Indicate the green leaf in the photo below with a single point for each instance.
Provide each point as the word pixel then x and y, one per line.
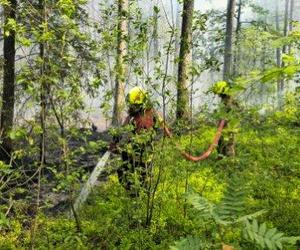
pixel 201 204
pixel 156 9
pixel 288 59
pixel 262 229
pixel 251 216
pixel 271 232
pixel 190 243
pixel 255 226
pixel 264 237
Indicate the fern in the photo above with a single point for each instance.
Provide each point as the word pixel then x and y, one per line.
pixel 232 204
pixel 190 243
pixel 228 210
pixel 202 205
pixel 266 238
pixel 250 216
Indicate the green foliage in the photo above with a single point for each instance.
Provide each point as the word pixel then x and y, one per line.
pixel 222 209
pixel 233 202
pixel 190 243
pixel 266 238
pixel 72 69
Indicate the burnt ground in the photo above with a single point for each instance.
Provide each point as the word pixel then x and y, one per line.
pixel 55 200
pixel 60 200
pixel 52 199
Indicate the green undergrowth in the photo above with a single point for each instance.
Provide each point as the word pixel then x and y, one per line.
pixel 267 167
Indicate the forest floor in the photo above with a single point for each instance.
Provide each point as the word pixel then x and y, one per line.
pixel 267 165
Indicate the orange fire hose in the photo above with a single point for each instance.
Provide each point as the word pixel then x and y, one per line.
pixel 207 153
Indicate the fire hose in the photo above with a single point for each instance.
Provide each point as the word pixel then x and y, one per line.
pixel 208 152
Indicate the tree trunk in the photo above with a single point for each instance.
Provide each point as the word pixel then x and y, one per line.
pixel 292 5
pixel 278 54
pixel 8 95
pixel 177 38
pixel 284 50
pixel 43 87
pixel 286 24
pixel 155 32
pixel 185 58
pixel 238 47
pixel 227 72
pixel 119 101
pixel 226 145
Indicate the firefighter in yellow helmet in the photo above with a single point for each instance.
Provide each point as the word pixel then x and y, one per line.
pixel 226 145
pixel 136 142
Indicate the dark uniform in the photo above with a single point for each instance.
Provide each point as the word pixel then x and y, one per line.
pixel 137 148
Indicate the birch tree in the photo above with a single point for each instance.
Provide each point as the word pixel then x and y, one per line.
pixel 185 58
pixel 120 62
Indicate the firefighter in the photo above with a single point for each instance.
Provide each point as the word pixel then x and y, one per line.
pixel 226 145
pixel 136 142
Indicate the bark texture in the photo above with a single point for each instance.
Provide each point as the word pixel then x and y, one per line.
pixel 8 95
pixel 226 144
pixel 238 47
pixel 119 100
pixel 185 57
pixel 228 40
pixel 278 51
pixel 281 83
pixel 292 6
pixel 43 94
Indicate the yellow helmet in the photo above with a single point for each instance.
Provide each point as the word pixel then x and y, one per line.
pixel 137 95
pixel 221 87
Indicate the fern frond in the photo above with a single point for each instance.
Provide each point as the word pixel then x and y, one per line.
pixel 265 238
pixel 251 216
pixel 190 243
pixel 232 204
pixel 201 204
pixel 291 240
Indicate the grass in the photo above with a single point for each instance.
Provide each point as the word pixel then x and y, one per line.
pixel 268 161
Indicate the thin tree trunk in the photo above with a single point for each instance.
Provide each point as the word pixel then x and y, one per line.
pixel 278 53
pixel 284 50
pixel 185 58
pixel 263 65
pixel 120 64
pixel 286 24
pixel 42 8
pixel 227 72
pixel 8 95
pixel 43 87
pixel 177 39
pixel 227 146
pixel 155 33
pixel 238 47
pixel 292 5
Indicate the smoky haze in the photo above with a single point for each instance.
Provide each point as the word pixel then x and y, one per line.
pixel 170 12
